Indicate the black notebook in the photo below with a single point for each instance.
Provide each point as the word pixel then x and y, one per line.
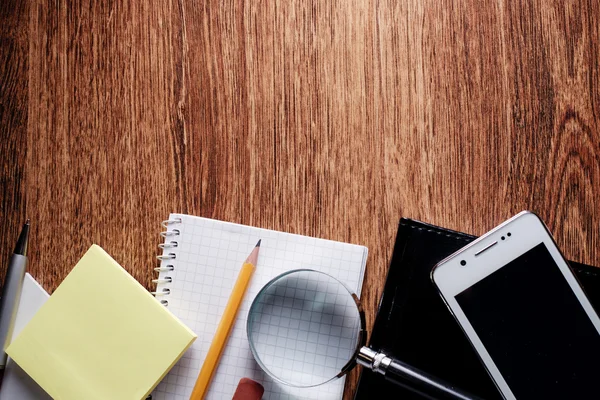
pixel 414 325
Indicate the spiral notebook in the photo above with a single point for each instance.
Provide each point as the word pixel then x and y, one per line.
pixel 199 265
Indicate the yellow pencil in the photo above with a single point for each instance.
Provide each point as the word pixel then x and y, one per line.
pixel 227 321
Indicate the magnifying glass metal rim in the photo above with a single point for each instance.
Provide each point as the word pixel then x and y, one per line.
pixel 362 334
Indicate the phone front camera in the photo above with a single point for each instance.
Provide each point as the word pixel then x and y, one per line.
pixel 463 262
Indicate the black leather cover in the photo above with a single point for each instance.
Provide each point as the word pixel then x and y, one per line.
pixel 414 325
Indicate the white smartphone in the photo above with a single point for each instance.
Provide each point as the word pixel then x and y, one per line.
pixel 522 308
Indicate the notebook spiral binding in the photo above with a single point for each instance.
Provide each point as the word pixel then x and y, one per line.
pixel 169 235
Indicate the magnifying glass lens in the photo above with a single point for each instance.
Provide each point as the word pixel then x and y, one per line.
pixel 303 328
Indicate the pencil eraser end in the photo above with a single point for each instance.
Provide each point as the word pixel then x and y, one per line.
pixel 248 390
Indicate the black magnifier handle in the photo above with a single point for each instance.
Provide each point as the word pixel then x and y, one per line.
pixel 410 377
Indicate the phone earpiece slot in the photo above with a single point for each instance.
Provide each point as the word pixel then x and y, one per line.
pixel 486 247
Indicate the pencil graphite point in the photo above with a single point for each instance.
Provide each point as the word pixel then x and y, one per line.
pixel 258 244
pixel 254 255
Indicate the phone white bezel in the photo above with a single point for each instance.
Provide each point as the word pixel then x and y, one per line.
pixel 451 278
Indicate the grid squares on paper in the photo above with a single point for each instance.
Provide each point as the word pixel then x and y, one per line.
pixel 208 259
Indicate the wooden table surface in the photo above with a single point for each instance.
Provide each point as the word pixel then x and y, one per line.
pixel 324 118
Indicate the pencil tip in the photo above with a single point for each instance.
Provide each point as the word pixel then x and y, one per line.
pixel 258 244
pixel 254 254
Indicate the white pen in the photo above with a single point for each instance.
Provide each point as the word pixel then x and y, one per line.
pixel 11 292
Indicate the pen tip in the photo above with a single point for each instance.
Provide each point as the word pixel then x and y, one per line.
pixel 21 247
pixel 27 222
pixel 258 244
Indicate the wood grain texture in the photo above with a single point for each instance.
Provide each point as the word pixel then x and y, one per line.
pixel 331 119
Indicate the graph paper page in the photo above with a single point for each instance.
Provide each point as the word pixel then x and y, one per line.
pixel 209 255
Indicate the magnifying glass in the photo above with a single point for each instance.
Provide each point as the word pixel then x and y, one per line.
pixel 306 328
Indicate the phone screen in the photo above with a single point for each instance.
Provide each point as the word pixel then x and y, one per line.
pixel 534 328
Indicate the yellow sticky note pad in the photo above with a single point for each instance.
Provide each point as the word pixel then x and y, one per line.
pixel 101 335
